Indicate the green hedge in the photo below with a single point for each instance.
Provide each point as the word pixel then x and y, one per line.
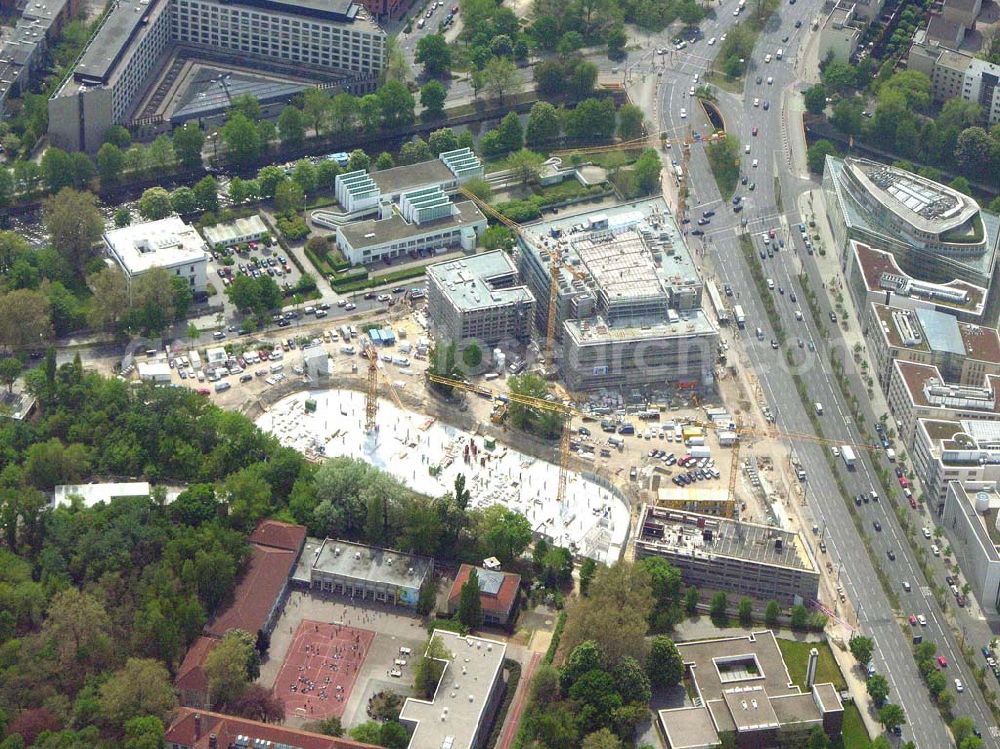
pixel 342 285
pixel 550 654
pixel 320 264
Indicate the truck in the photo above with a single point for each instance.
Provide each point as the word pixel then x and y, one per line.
pixel 890 454
pixel 847 453
pixel 741 319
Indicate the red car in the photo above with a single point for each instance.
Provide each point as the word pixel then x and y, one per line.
pixel 903 482
pixel 204 391
pixel 262 354
pixel 755 132
pixel 942 661
pixel 913 503
pixel 913 620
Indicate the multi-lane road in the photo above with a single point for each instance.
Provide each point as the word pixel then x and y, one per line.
pixel 722 254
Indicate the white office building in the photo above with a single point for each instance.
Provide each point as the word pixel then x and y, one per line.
pixel 168 243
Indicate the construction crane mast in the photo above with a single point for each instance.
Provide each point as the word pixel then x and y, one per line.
pixel 371 394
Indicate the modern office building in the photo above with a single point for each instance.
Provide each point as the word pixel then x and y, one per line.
pixel 628 306
pixel 479 298
pixel 168 243
pixel 954 73
pixel 499 594
pixel 462 711
pixel 970 520
pixel 744 695
pixel 23 53
pixel 364 572
pixel 965 353
pixel 741 558
pixel 920 391
pixel 136 36
pixel 841 32
pixel 964 450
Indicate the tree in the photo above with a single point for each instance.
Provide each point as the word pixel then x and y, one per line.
pixel 57 169
pixel 259 703
pixel 230 667
pixel 434 54
pixel 442 140
pixel 330 727
pixel 369 112
pixel 316 107
pixel 862 648
pixel 588 569
pixel 663 662
pixel 141 687
pixel 817 153
pixel 961 728
pixel 507 533
pixel 615 614
pixel 878 688
pixel 480 188
pixel 602 739
pixel 343 112
pixel 359 160
pixel 160 153
pixel 891 716
pixel 384 161
pixel 815 98
pixel 242 139
pixel 818 739
pixel 291 127
pixel 304 175
pixel 746 611
pixel 718 609
pixel 631 122
pixel 188 142
pixel 525 165
pixel 800 617
pixel 78 630
pixel 10 370
pixel 432 98
pixel 25 319
pixel 144 732
pixel 591 120
pixel 111 287
pixel 110 163
pixel 847 117
pixel 155 204
pixel 961 184
pixel 183 201
pixel 430 667
pixel 289 197
pixel 472 356
pixel 74 225
pixel 647 170
pixel 183 296
pixel 396 103
pixel 691 601
pixel 501 78
pixel 470 609
pixel 543 124
pixel 617 41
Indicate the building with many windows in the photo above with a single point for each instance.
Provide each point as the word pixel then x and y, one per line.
pixel 955 73
pixel 479 298
pixel 136 35
pixel 24 49
pixel 168 243
pixel 971 521
pixel 965 450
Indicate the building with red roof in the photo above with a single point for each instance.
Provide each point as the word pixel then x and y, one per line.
pixel 201 729
pixel 498 594
pixel 279 535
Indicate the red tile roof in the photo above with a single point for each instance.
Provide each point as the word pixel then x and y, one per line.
pixel 228 727
pixel 500 604
pixel 266 574
pixel 191 675
pixel 279 535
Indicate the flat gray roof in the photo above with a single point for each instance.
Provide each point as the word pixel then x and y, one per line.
pixel 689 728
pixel 452 719
pixel 107 46
pixel 374 232
pixel 402 178
pixel 941 330
pixel 598 331
pixel 465 281
pixel 370 564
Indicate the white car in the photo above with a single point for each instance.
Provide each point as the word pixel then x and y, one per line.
pixel 836 451
pixel 396 673
pixel 922 619
pixel 798 314
pixel 754 165
pixel 350 305
pixel 926 532
pixel 746 149
pixel 767 58
pixel 711 41
pixel 935 550
pixel 770 80
pixel 959 687
pixel 660 51
pixel 684 113
pixel 736 12
pixel 691 91
pixel 756 102
pixel 722 38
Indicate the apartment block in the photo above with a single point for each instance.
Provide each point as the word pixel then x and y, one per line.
pixel 964 450
pixel 841 32
pixel 953 72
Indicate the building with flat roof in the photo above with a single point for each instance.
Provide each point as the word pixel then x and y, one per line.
pixel 498 594
pixel 743 689
pixel 203 729
pixel 964 12
pixel 136 35
pixel 840 33
pixel 462 711
pixel 240 231
pixel 964 450
pixel 971 521
pixel 628 307
pixel 964 352
pixel 479 298
pixel 93 494
pixel 168 243
pixel 23 53
pixel 735 556
pixel 359 571
pixel 955 73
pixel 919 391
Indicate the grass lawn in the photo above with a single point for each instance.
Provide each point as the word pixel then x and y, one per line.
pixel 796 655
pixel 854 735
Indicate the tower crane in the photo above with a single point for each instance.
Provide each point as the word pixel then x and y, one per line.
pixel 371 394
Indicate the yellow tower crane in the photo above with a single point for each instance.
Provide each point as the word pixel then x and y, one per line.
pixel 371 394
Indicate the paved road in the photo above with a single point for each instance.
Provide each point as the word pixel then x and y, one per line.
pixel 721 251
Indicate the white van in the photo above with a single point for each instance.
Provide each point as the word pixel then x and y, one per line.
pixel 779 53
pixel 615 441
pixel 767 58
pixel 275 368
pixel 349 350
pixel 760 334
pixel 819 409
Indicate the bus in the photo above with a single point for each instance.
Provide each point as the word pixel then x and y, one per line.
pixel 740 317
pixel 715 298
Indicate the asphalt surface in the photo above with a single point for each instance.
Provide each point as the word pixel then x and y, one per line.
pixel 721 250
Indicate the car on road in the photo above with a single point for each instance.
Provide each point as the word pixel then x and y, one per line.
pixel 922 619
pixel 833 317
pixel 942 661
pixel 691 91
pixel 926 531
pixel 746 149
pixel 383 297
pixel 770 80
pixel 728 289
pixel 350 305
pixel 684 113
pixel 760 79
pixel 774 343
pixel 754 131
pixel 743 180
pixel 708 214
pixel 906 586
pixel 959 687
pixel 754 164
pixel 398 290
pixel 877 526
pixel 756 102
pixel 370 295
pixel 798 315
pixel 711 41
pixel 703 222
pixel 913 620
pixel 752 186
pixel 697 233
pixel 798 24
pixel 891 554
pixel 784 39
pixel 792 297
pixel 767 105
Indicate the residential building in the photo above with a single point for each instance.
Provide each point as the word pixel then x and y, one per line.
pixel 964 352
pixel 841 32
pixel 964 12
pixel 741 558
pixel 743 693
pixel 920 391
pixel 168 243
pixel 479 298
pixel 364 572
pixel 945 31
pixel 24 51
pixel 93 494
pixel 970 520
pixel 869 10
pixel 964 450
pixel 461 713
pixel 628 305
pixel 202 729
pixel 136 36
pixel 499 594
pixel 257 600
pixel 955 73
pixel 240 231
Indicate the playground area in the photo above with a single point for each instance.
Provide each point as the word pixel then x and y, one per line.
pixel 320 668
